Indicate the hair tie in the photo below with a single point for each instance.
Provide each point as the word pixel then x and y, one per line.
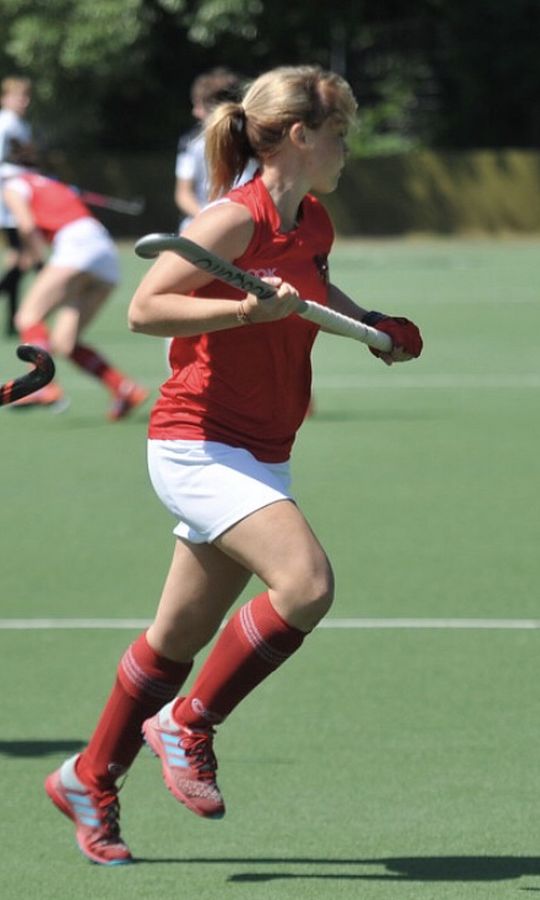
pixel 239 118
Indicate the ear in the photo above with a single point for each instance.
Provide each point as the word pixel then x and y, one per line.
pixel 297 134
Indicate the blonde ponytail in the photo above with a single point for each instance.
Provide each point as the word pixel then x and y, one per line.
pixel 227 147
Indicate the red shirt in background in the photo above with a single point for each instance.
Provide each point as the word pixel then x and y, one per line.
pixel 52 203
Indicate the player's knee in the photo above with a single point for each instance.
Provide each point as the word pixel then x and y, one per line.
pixel 22 322
pixel 319 595
pixel 62 345
pixel 307 597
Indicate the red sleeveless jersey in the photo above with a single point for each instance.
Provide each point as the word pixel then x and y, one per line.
pixel 250 386
pixel 53 204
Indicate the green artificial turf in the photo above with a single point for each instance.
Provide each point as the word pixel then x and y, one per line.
pixel 377 763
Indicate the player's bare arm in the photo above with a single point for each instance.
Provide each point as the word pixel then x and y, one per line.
pixel 342 303
pixel 162 304
pixel 406 339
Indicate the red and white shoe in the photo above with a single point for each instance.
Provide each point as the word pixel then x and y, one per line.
pixel 51 396
pixel 128 397
pixel 188 762
pixel 95 813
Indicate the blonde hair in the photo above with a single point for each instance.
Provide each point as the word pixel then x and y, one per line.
pixel 256 127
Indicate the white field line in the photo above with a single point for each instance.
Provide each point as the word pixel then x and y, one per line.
pixel 330 623
pixel 431 382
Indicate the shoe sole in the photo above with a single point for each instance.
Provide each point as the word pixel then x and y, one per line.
pixel 64 808
pixel 129 408
pixel 154 745
pixel 57 407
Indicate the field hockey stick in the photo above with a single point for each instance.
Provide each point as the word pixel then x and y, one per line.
pixel 151 245
pixel 38 377
pixel 129 207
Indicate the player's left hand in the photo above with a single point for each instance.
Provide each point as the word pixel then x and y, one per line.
pixel 406 338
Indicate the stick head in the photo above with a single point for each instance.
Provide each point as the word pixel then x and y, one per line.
pixel 38 377
pixel 151 245
pixel 40 358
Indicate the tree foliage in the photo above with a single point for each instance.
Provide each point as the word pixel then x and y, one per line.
pixel 116 73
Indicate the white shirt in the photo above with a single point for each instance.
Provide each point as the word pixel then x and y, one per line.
pixel 12 127
pixel 191 166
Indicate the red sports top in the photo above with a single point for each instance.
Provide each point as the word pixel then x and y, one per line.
pixel 250 386
pixel 53 204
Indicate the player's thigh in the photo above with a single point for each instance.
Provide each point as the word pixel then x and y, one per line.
pixel 48 291
pixel 89 299
pixel 277 543
pixel 201 586
pixel 85 297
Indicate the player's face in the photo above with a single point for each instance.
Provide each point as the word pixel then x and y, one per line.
pixel 328 157
pixel 199 111
pixel 17 100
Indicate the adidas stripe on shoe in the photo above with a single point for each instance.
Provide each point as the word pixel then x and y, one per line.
pixel 188 763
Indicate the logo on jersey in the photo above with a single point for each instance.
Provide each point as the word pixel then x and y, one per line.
pixel 264 273
pixel 321 261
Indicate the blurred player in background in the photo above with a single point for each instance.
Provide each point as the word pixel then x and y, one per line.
pixel 78 278
pixel 192 181
pixel 219 444
pixel 15 135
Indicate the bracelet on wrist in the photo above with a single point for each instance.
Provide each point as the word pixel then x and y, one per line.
pixel 242 315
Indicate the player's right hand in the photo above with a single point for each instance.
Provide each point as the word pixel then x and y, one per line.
pixel 282 304
pixel 406 338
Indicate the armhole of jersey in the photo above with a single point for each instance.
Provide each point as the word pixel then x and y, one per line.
pixel 221 201
pixel 213 203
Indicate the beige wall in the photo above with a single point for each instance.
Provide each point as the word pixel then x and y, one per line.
pixel 445 193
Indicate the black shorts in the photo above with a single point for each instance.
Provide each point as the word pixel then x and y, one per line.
pixel 12 238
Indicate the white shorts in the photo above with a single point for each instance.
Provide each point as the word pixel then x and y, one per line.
pixel 86 245
pixel 210 486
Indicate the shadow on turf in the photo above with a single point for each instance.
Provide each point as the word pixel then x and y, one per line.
pixel 39 748
pixel 417 868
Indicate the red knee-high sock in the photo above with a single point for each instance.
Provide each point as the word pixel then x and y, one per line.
pixel 94 364
pixel 145 682
pixel 254 642
pixel 37 334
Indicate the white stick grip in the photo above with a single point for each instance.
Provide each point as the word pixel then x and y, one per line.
pixel 344 325
pixel 151 245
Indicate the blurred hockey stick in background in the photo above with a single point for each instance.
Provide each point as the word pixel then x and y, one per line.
pixel 38 377
pixel 128 207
